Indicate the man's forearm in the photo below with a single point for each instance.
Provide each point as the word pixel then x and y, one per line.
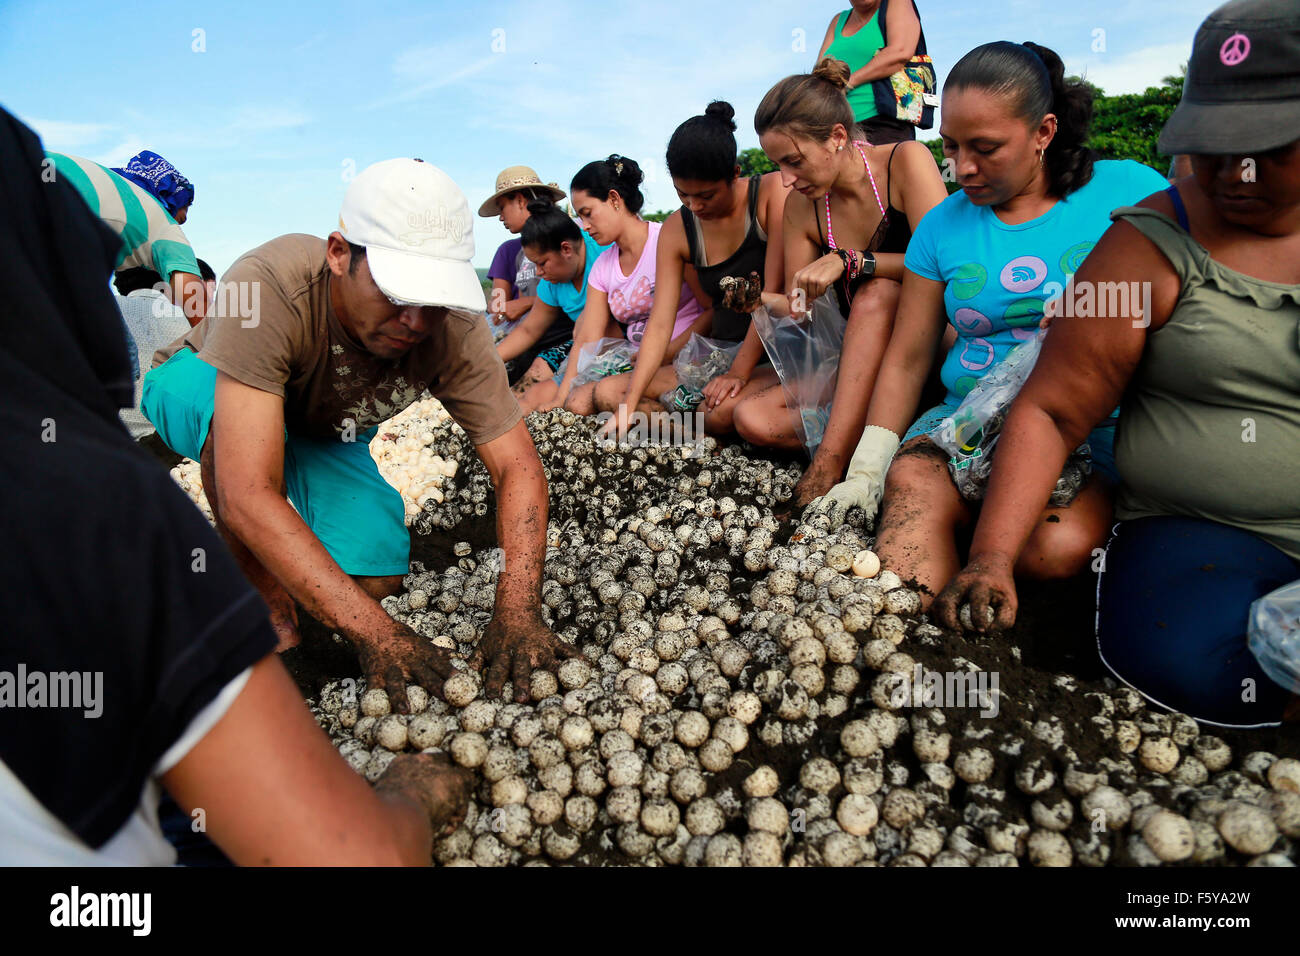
pixel 281 540
pixel 522 509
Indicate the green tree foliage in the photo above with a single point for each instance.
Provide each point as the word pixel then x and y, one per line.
pixel 754 161
pixel 1128 126
pixel 658 215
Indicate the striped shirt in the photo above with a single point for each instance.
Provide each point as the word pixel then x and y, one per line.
pixel 150 236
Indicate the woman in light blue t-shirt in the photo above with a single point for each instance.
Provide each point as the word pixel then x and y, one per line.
pixel 987 261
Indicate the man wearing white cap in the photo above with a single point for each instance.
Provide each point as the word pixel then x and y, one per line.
pixel 332 337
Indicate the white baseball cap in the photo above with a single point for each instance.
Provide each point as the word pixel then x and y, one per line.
pixel 415 225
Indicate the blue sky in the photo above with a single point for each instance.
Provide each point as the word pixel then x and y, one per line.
pixel 283 99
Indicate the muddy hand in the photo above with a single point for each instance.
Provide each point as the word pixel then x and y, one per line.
pixel 514 651
pixel 989 587
pixel 435 783
pixel 403 657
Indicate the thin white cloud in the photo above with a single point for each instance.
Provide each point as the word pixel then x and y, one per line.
pixel 123 151
pixel 1132 72
pixel 60 135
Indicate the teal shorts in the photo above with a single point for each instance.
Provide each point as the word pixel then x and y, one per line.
pixel 335 485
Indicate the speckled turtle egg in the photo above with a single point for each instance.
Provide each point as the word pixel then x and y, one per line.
pixel 857 618
pixel 1128 736
pixel 1046 848
pixel 490 851
pixel 931 746
pixel 659 817
pixel 375 703
pixel 704 817
pixel 379 760
pixel 858 739
pixel 819 775
pixel 546 751
pixel 390 732
pixel 902 807
pixel 418 698
pixel 974 765
pixel 732 731
pixel 1284 774
pixel 580 813
pixel 574 673
pixel 672 679
pixel 469 750
pixel 623 804
pixel 761 849
pixel 560 846
pixel 479 716
pixel 1158 754
pixel 1247 829
pixel 542 684
pixel 576 733
pixel 902 602
pixel 769 815
pixel 687 784
pixel 763 782
pixel 546 807
pixel 499 763
pixel 857 814
pixel 525 729
pixel 558 778
pixel 745 706
pixel 1212 751
pixel 1170 836
pixel 1052 811
pixel 692 729
pixel 460 688
pixel 724 849
pixel 889 627
pixel 509 790
pixel 624 769
pixel 1108 806
pixel 364 730
pixel 614 741
pixel 356 753
pixel 715 755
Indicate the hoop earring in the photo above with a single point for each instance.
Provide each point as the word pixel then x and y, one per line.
pixel 1040 158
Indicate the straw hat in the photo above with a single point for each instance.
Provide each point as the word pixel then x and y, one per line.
pixel 512 180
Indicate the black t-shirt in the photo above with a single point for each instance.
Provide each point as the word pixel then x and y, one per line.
pixel 108 569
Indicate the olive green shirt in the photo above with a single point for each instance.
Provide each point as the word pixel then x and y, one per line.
pixel 1210 425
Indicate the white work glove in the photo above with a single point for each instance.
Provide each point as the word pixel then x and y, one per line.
pixel 864 484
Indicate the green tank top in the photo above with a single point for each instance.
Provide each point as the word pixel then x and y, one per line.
pixel 1210 424
pixel 857 50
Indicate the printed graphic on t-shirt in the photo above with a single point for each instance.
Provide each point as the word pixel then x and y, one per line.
pixel 367 396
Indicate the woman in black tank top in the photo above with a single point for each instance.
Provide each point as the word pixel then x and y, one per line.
pixel 723 229
pixel 846 231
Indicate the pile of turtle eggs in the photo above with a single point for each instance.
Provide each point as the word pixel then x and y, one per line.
pixel 736 702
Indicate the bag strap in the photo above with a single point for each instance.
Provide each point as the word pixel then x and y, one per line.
pixel 1179 209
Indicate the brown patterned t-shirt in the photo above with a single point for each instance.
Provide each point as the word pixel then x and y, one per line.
pixel 274 329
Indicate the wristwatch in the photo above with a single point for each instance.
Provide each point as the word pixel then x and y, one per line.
pixel 868 265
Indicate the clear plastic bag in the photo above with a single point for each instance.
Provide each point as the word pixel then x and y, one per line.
pixel 1273 635
pixel 970 434
pixel 806 355
pixel 599 359
pixel 699 362
pixel 500 326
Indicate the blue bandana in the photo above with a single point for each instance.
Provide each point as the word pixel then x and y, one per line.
pixel 160 178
